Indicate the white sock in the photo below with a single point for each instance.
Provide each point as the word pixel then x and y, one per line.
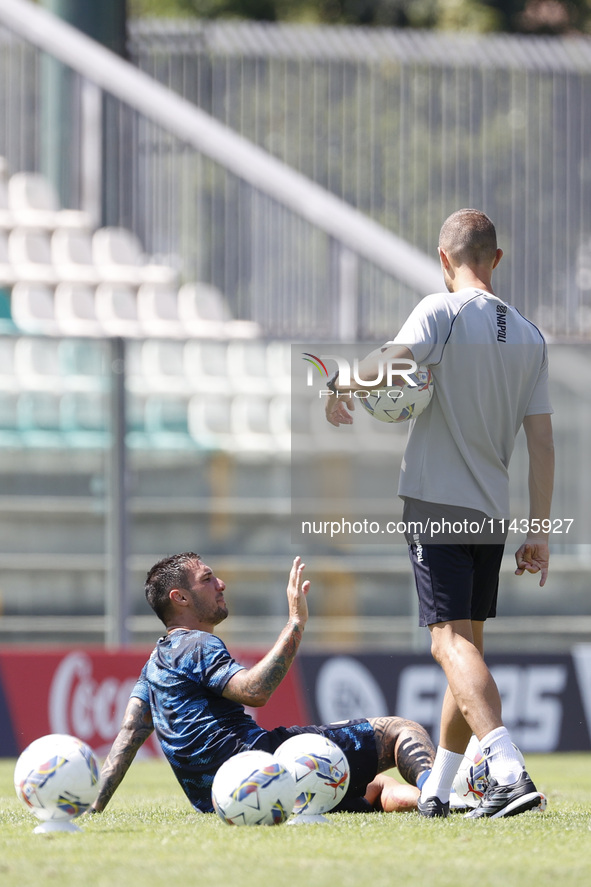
pixel 503 763
pixel 439 782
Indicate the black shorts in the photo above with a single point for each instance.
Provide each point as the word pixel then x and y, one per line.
pixel 355 738
pixel 456 581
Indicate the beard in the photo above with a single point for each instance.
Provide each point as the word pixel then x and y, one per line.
pixel 222 613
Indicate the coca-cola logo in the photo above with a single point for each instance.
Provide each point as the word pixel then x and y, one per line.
pixel 83 706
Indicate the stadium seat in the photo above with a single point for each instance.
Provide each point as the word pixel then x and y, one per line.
pixel 205 364
pixel 7 273
pixel 75 310
pixel 134 367
pixel 279 366
pixel 117 253
pixel 157 308
pixel 166 421
pixel 204 312
pixel 250 423
pixel 33 309
pixel 247 366
pixel 210 426
pixel 84 364
pixel 289 422
pixel 29 253
pixel 34 203
pixel 37 363
pixel 8 380
pixel 71 254
pixel 116 309
pixel 162 366
pixel 6 216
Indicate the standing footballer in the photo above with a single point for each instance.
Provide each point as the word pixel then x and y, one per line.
pixel 490 372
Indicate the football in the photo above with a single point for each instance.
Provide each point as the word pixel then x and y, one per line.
pixel 471 780
pixel 320 771
pixel 253 788
pixel 57 777
pixel 401 402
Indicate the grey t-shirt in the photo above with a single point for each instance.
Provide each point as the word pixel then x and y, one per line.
pixel 490 370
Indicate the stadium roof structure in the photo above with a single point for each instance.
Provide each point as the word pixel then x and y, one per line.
pixel 568 54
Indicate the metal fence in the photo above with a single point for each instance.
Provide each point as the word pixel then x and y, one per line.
pixel 408 126
pixel 405 126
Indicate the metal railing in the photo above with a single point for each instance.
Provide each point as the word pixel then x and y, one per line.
pixel 408 126
pixel 316 228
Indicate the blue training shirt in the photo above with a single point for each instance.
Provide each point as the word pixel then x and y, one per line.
pixel 197 728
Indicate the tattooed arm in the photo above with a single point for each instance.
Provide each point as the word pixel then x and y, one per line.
pixel 254 686
pixel 135 729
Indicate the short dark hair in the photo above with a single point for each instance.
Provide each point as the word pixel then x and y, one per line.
pixel 170 572
pixel 469 237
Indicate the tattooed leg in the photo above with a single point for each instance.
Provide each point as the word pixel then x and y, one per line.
pixel 403 744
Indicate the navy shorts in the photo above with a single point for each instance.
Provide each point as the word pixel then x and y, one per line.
pixel 456 581
pixel 355 738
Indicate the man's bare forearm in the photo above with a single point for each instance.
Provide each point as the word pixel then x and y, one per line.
pixel 255 686
pixel 136 728
pixel 541 465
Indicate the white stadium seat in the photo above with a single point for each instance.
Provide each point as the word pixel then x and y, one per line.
pixel 116 309
pixel 250 423
pixel 29 252
pixel 7 272
pixel 84 364
pixel 204 312
pixel 206 367
pixel 75 310
pixel 210 425
pixel 247 366
pixel 37 363
pixel 162 366
pixel 71 254
pixel 33 308
pixel 8 380
pixel 34 204
pixel 158 313
pixel 117 253
pixel 6 216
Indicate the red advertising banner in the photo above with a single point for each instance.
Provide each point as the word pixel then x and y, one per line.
pixel 84 692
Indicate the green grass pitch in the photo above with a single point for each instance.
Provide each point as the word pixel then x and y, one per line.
pixel 149 836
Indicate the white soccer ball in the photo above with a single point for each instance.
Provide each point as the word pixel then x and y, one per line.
pixel 320 771
pixel 253 788
pixel 471 780
pixel 57 777
pixel 401 402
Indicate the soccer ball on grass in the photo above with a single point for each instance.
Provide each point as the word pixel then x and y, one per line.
pixel 253 788
pixel 57 778
pixel 320 771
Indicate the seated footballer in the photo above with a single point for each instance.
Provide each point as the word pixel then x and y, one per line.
pixel 193 694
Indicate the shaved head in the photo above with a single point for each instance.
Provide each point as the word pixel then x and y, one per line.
pixel 468 237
